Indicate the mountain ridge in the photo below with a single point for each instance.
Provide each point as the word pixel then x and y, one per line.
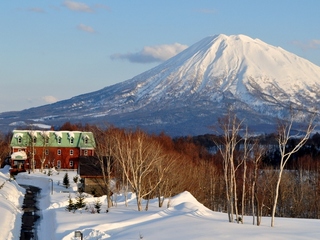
pixel 254 78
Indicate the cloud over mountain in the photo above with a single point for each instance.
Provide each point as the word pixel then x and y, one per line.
pixel 311 44
pixel 148 54
pixel 50 99
pixel 86 28
pixel 77 6
pixel 189 92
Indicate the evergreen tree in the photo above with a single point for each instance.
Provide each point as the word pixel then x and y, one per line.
pixel 80 203
pixel 97 205
pixel 66 181
pixel 71 206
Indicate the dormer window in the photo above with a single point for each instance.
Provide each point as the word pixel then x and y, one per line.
pixel 58 137
pixel 34 139
pixel 46 140
pixel 71 140
pixel 19 139
pixel 86 140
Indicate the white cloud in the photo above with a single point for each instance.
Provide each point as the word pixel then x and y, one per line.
pixel 148 54
pixel 49 99
pixel 86 28
pixel 312 44
pixel 77 6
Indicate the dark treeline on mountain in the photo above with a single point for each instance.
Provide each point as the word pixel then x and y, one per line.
pixel 272 156
pixel 159 166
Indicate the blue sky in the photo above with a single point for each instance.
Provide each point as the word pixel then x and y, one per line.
pixel 55 50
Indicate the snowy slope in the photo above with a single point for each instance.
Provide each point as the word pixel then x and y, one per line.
pixel 257 80
pixel 185 218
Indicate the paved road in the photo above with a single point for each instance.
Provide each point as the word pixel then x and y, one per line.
pixel 30 216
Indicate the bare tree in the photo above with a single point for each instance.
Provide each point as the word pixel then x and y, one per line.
pixel 44 142
pixel 230 126
pixel 105 145
pixel 138 155
pixel 31 142
pixel 4 147
pixel 257 152
pixel 284 136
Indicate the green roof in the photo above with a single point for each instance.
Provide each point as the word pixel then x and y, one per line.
pixel 24 138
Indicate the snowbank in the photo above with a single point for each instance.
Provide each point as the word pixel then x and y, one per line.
pixel 186 218
pixel 11 199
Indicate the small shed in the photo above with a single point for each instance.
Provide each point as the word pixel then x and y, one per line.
pixel 91 174
pixel 18 161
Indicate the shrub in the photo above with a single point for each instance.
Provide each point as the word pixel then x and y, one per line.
pixel 66 181
pixel 97 205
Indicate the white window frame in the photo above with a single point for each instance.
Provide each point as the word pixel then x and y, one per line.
pixel 59 152
pixel 71 152
pixel 70 163
pixel 58 164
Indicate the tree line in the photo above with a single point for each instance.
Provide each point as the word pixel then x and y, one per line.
pixel 230 171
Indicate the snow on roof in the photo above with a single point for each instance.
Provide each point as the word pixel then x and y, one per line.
pixel 17 135
pixel 71 134
pixel 46 133
pixel 85 136
pixel 21 155
pixel 33 133
pixel 58 134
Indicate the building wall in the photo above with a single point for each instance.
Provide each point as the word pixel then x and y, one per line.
pixel 60 149
pixel 94 186
pixel 65 159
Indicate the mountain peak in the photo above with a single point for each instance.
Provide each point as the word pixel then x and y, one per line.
pixel 185 94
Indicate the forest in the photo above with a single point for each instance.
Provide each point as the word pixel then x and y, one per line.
pixel 234 172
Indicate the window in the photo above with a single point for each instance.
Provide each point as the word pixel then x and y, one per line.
pixel 59 140
pixel 19 139
pixel 34 139
pixel 71 140
pixel 58 164
pixel 71 163
pixel 86 140
pixel 71 151
pixel 47 151
pixel 59 151
pixel 85 152
pixel 46 140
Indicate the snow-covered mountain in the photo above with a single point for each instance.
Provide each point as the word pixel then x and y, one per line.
pixel 187 93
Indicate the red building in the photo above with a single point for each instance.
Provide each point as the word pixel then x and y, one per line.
pixel 48 149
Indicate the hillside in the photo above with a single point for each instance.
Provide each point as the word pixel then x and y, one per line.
pixel 187 93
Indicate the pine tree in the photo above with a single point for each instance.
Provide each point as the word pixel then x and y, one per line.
pixel 97 205
pixel 80 203
pixel 71 206
pixel 66 181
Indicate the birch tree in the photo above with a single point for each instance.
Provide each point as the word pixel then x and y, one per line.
pixel 230 126
pixel 105 154
pixel 284 136
pixel 138 155
pixel 258 152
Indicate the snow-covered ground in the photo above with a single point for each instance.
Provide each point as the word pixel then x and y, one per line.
pixel 186 218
